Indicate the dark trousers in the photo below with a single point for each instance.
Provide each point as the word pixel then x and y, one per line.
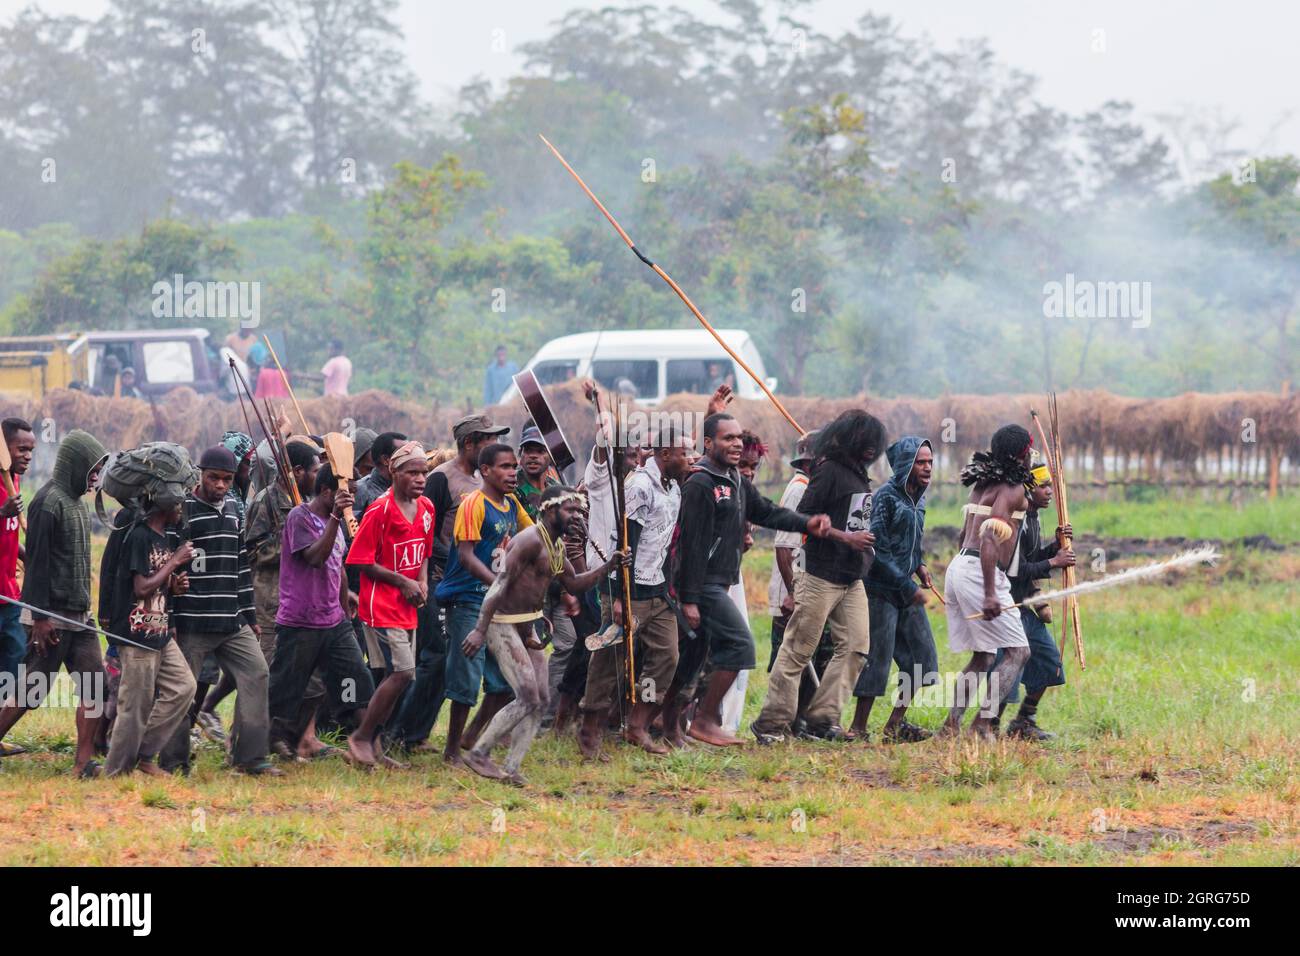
pixel 902 636
pixel 420 705
pixel 299 651
pixel 13 640
pixel 239 654
pixel 1045 668
pixel 574 680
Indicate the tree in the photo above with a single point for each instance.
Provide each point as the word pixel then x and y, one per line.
pixel 1261 217
pixel 208 68
pixel 354 95
pixel 75 145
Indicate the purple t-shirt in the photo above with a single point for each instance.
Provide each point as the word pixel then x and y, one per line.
pixel 309 597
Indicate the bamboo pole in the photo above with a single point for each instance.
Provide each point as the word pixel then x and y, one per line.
pixel 1069 577
pixel 306 429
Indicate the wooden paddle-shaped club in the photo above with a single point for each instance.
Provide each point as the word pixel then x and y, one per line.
pixel 7 463
pixel 341 454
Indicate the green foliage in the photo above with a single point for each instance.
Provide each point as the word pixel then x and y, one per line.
pixel 880 213
pixel 108 284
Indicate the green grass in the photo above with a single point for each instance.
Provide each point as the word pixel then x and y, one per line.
pixel 1177 746
pixel 1144 513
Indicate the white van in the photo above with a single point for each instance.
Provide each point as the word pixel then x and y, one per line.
pixel 654 364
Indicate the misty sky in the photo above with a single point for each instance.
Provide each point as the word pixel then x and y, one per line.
pixel 1161 54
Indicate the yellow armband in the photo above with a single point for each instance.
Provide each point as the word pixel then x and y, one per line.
pixel 997 529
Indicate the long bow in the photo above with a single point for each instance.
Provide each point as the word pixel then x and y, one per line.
pixel 675 287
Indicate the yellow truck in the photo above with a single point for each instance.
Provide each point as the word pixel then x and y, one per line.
pixel 162 359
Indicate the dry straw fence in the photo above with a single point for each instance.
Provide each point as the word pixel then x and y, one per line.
pixel 1236 439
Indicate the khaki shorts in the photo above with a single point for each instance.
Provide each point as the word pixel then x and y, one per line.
pixel 392 645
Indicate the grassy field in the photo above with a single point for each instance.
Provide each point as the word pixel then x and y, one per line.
pixel 1177 746
pixel 1145 513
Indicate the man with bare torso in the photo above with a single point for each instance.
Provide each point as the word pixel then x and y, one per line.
pixel 977 583
pixel 513 603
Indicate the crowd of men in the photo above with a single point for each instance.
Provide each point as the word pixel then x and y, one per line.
pixel 475 578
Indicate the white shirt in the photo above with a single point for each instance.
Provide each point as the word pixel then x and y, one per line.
pixel 655 509
pixel 600 518
pixel 337 372
pixel 790 498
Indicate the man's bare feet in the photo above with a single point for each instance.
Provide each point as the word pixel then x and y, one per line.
pixel 482 765
pixel 361 752
pixel 589 744
pixel 676 739
pixel 151 768
pixel 712 734
pixel 948 731
pixel 640 738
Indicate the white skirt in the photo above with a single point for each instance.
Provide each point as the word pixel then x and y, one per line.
pixel 963 590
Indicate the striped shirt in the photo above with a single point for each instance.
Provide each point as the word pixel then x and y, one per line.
pixel 221 588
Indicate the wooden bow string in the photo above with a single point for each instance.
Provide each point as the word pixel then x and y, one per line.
pixel 1069 578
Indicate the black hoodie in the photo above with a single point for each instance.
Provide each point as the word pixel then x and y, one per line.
pixel 57 569
pixel 715 506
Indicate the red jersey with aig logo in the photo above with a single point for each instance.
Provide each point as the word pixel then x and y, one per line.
pixel 387 539
pixel 9 548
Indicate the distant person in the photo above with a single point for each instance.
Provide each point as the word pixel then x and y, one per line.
pixel 499 377
pixel 719 378
pixel 337 371
pixel 109 371
pixel 270 383
pixel 241 342
pixel 127 382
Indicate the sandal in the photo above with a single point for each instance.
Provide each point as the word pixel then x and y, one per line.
pixel 90 771
pixel 906 733
pixel 11 750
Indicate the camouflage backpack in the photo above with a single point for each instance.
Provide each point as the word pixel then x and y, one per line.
pixel 159 470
